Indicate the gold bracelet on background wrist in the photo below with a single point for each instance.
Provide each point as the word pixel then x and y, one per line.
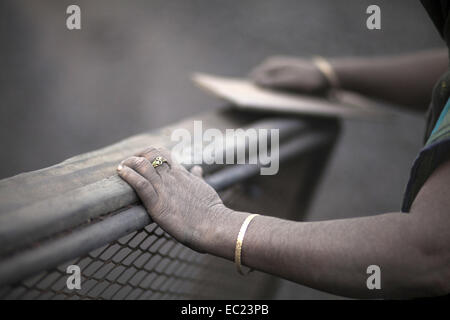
pixel 327 70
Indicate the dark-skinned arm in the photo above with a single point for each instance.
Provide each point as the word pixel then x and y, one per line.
pixel 412 250
pixel 406 80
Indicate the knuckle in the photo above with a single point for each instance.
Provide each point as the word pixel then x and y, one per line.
pixel 140 162
pixel 165 153
pixel 142 184
pixel 148 152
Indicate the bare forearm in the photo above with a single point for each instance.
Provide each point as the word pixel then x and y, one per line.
pixel 334 255
pixel 411 249
pixel 405 79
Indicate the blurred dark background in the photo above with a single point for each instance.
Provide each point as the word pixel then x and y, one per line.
pixel 127 71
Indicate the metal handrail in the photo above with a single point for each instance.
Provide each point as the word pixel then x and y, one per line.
pixel 297 137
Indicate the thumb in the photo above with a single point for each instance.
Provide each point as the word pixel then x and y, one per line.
pixel 197 171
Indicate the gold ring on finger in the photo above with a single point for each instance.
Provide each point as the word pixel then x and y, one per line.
pixel 158 161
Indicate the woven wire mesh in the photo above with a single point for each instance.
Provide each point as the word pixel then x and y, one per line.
pixel 146 264
pixel 150 264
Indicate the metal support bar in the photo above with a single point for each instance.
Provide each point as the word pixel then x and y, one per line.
pixel 44 218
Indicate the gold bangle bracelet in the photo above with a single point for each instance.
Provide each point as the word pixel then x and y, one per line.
pixel 327 70
pixel 239 242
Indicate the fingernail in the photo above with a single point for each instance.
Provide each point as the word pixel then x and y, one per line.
pixel 120 167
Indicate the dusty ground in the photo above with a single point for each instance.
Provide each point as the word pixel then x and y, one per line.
pixel 64 93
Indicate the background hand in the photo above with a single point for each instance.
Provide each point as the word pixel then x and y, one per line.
pixel 288 73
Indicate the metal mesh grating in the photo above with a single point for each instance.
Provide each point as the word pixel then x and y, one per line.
pixel 150 264
pixel 146 264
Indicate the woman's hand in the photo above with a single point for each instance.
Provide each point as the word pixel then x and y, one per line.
pixel 294 74
pixel 180 202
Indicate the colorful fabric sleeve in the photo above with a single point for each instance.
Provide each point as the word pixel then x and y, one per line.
pixel 435 152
